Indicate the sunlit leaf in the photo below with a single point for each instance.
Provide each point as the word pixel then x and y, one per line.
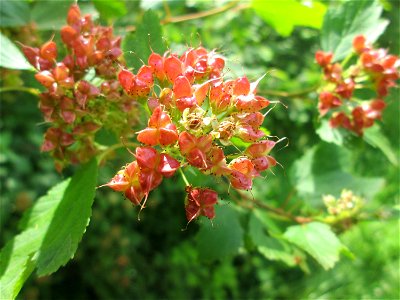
pixel 53 228
pixel 318 240
pixel 284 15
pixel 11 57
pixel 110 9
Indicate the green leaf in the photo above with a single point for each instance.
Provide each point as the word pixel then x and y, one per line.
pixel 268 246
pixel 323 169
pixel 110 9
pixel 53 228
pixel 284 15
pixel 343 22
pixel 16 262
pixel 318 240
pixel 375 137
pixel 50 14
pixel 148 37
pixel 14 13
pixel 221 238
pixel 332 135
pixel 68 224
pixel 239 142
pixel 11 57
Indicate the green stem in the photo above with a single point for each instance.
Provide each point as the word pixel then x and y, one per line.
pixel 32 91
pixel 112 148
pixel 347 59
pixel 290 94
pixel 184 177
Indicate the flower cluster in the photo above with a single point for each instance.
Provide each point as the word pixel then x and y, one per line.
pixel 346 204
pixel 75 107
pixel 374 69
pixel 194 116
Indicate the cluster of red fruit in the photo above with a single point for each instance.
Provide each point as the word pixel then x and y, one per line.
pixel 193 115
pixel 374 68
pixel 75 107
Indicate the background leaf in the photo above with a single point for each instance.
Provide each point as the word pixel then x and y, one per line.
pixel 148 36
pixel 342 23
pixel 284 15
pixel 110 9
pixel 49 14
pixel 332 135
pixel 52 230
pixel 221 238
pixel 14 13
pixel 271 248
pixel 11 57
pixel 375 137
pixel 318 240
pixel 324 169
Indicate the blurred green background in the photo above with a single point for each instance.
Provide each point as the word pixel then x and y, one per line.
pixel 120 257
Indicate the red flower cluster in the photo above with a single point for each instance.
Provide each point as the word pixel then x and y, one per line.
pixel 75 107
pixel 374 66
pixel 193 118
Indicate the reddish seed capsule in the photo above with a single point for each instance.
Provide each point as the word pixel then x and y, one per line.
pixel 68 35
pixel 49 51
pixel 45 78
pixel 74 15
pixel 200 202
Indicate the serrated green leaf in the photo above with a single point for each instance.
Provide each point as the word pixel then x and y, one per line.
pixel 14 13
pixel 375 137
pixel 110 9
pixel 148 37
pixel 11 57
pixel 343 22
pixel 268 246
pixel 318 240
pixel 284 15
pixel 53 228
pixel 69 221
pixel 16 262
pixel 221 238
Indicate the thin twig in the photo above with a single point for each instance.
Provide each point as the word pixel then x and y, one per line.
pixel 289 94
pixel 198 15
pixel 277 211
pixel 31 91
